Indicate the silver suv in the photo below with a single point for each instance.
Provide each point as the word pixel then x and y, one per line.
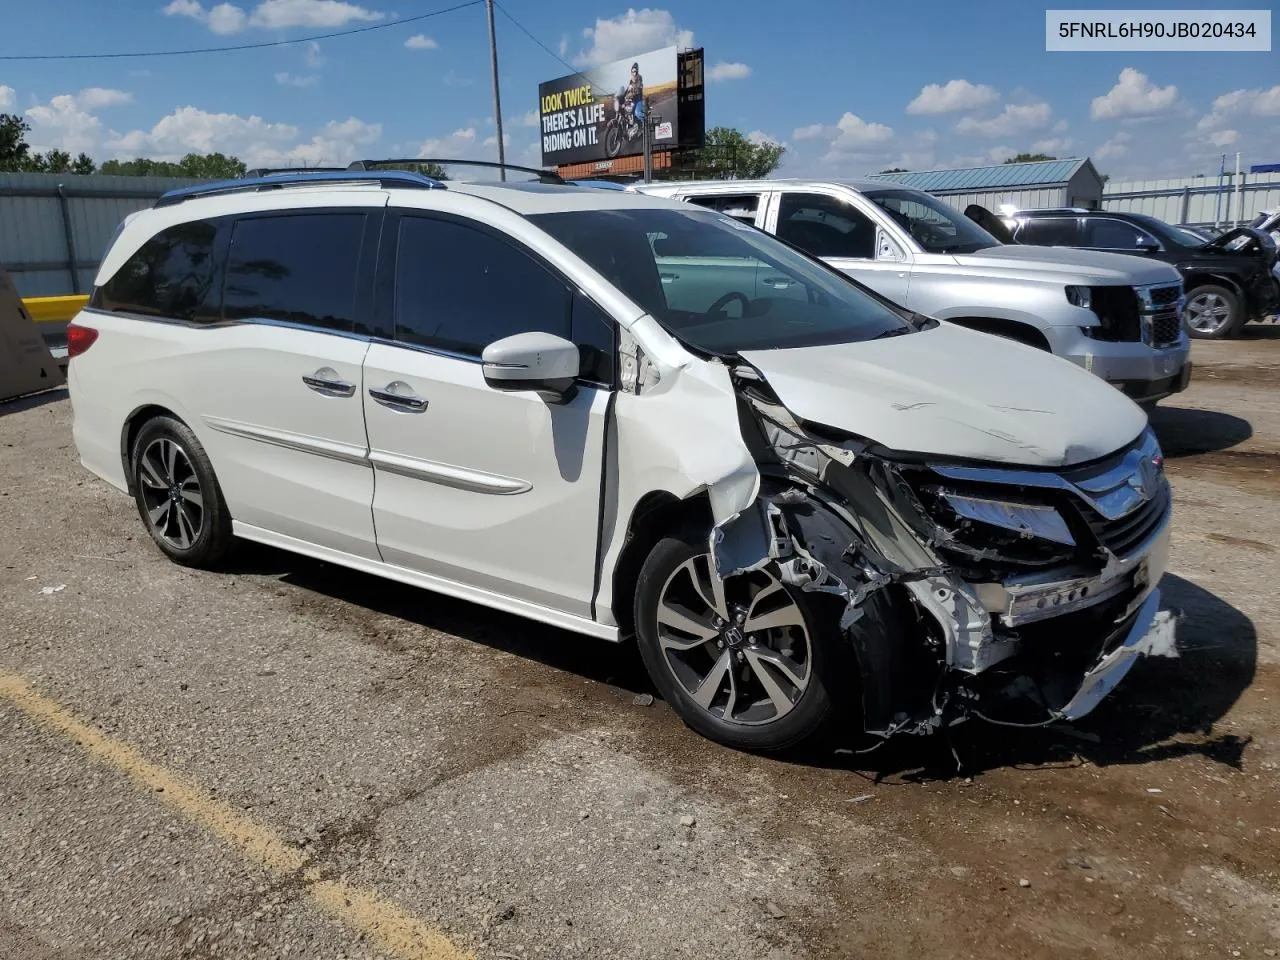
pixel 1116 315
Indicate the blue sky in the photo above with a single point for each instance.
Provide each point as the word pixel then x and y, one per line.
pixel 848 88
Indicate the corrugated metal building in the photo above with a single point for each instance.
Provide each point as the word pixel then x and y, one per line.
pixel 54 227
pixel 1204 201
pixel 1045 183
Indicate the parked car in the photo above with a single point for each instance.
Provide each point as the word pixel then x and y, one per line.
pixel 628 417
pixel 1229 279
pixel 1116 316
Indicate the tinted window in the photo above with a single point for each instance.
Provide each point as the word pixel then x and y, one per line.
pixel 1115 234
pixel 739 206
pixel 459 288
pixel 934 224
pixel 1048 232
pixel 593 333
pixel 171 276
pixel 298 267
pixel 732 288
pixel 826 227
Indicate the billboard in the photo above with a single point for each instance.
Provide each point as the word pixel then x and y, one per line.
pixel 577 114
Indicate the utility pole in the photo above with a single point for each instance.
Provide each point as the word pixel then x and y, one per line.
pixel 647 144
pixel 497 98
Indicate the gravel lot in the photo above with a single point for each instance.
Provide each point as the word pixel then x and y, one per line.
pixel 513 788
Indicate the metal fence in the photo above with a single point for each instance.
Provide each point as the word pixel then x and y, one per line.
pixel 55 227
pixel 1202 201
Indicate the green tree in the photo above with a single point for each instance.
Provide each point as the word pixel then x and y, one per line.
pixel 895 170
pixel 209 166
pixel 15 152
pixel 727 154
pixel 84 165
pixel 1029 158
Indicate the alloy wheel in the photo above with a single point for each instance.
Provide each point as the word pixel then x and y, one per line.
pixel 1207 312
pixel 171 493
pixel 739 648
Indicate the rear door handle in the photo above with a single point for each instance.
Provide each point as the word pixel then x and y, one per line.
pixel 326 381
pixel 398 395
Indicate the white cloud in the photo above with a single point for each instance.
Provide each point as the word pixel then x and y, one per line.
pixel 225 18
pixel 1052 145
pixel 1134 95
pixel 279 14
pixel 1014 119
pixel 731 70
pixel 6 97
pixel 454 79
pixel 529 119
pixel 63 124
pixel 315 59
pixel 635 31
pixel 1224 138
pixel 760 138
pixel 460 144
pixel 814 131
pixel 1262 103
pixel 190 129
pixel 1117 146
pixel 564 47
pixel 952 96
pixel 1000 154
pixel 94 98
pixel 286 79
pixel 420 41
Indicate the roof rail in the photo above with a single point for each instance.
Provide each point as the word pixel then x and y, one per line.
pixel 272 171
pixel 301 178
pixel 1055 209
pixel 544 176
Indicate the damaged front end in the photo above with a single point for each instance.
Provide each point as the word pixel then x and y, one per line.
pixel 1015 595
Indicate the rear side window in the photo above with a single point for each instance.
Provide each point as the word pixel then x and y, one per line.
pixel 172 276
pixel 826 227
pixel 460 289
pixel 1048 232
pixel 1116 234
pixel 298 267
pixel 739 206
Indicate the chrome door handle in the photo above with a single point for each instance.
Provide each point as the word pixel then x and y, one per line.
pixel 778 283
pixel 326 381
pixel 398 395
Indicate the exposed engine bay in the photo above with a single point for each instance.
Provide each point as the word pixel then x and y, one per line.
pixel 1015 595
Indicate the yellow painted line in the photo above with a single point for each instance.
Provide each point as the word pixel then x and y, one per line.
pixel 54 309
pixel 401 935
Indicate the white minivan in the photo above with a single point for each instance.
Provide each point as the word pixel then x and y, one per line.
pixel 629 417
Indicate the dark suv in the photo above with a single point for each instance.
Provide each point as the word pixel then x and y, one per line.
pixel 1228 280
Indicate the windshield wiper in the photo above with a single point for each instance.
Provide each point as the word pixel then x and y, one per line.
pixel 895 332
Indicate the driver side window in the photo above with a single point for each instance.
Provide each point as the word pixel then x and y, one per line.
pixel 824 226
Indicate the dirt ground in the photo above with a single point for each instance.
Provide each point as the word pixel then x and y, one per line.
pixel 243 743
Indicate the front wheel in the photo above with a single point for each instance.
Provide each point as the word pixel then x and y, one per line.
pixel 1212 312
pixel 613 139
pixel 748 662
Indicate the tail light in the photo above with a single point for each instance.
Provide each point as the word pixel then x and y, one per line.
pixel 79 339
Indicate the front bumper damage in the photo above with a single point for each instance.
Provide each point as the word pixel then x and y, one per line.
pixel 836 518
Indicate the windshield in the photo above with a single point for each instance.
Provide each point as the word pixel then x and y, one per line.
pixel 718 285
pixel 937 227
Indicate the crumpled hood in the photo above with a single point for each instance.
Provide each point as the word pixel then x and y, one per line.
pixel 1095 266
pixel 952 392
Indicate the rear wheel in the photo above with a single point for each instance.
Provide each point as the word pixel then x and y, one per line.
pixel 748 662
pixel 1212 312
pixel 177 494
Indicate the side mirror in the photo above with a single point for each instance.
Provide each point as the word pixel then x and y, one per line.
pixel 533 361
pixel 1149 246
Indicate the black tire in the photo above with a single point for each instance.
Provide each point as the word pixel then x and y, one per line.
pixel 613 139
pixel 1235 314
pixel 832 691
pixel 191 537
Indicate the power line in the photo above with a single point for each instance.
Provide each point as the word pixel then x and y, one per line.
pixel 244 46
pixel 525 31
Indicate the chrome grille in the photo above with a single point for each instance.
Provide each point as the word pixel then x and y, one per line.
pixel 1120 536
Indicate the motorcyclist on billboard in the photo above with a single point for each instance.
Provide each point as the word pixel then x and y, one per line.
pixel 631 95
